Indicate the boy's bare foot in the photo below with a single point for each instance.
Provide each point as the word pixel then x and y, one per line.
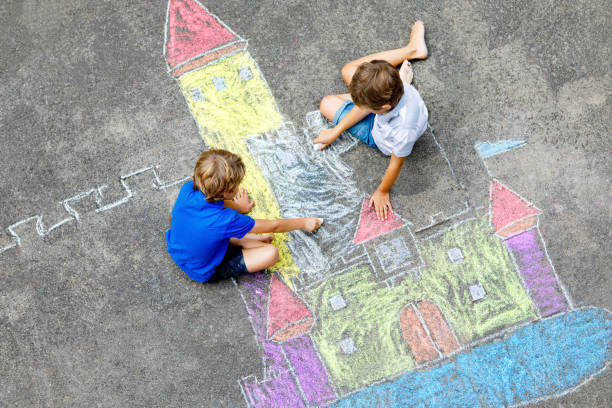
pixel 416 46
pixel 405 72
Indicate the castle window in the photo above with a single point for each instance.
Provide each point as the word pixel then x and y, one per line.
pixel 455 255
pixel 347 345
pixel 393 254
pixel 245 73
pixel 337 302
pixel 477 292
pixel 219 83
pixel 196 94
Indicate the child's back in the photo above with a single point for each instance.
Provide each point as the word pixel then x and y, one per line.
pixel 209 237
pixel 200 232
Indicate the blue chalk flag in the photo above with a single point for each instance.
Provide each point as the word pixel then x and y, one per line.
pixel 486 149
pixel 539 360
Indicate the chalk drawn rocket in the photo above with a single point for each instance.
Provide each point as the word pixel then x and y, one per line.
pixel 365 313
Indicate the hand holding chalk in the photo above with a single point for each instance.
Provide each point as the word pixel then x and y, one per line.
pixel 312 223
pixel 325 138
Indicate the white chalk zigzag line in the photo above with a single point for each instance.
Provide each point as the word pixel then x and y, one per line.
pixel 98 196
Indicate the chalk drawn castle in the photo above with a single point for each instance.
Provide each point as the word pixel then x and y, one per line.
pixel 454 307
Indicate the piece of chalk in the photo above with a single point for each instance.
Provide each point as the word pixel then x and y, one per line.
pixel 318 146
pixel 320 220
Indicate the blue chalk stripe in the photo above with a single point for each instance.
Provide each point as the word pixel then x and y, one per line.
pixel 486 149
pixel 542 359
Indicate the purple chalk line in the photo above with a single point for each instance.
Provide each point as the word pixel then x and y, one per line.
pixel 279 388
pixel 308 369
pixel 540 281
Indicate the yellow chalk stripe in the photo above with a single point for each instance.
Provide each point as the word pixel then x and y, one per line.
pixel 227 108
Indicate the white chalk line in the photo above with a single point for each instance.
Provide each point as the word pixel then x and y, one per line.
pixel 431 129
pixel 434 223
pixel 424 326
pixel 565 392
pixel 98 195
pixel 296 380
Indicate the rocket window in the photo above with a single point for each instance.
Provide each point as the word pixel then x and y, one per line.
pixel 245 73
pixel 219 83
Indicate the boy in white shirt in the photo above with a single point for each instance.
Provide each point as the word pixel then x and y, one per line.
pixel 382 109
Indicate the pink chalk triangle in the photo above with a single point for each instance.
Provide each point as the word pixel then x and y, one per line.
pixel 284 307
pixel 191 31
pixel 371 227
pixel 507 207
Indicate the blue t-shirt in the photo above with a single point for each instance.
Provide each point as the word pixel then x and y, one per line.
pixel 200 232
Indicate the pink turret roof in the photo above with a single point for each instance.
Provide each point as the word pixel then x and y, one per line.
pixel 288 316
pixel 507 207
pixel 192 31
pixel 371 227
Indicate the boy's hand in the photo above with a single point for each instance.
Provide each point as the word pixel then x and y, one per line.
pixel 325 138
pixel 312 223
pixel 241 201
pixel 381 204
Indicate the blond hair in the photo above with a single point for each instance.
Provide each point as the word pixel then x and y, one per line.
pixel 217 172
pixel 376 83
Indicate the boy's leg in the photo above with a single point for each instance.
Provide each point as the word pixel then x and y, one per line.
pixel 331 103
pixel 337 108
pixel 243 256
pixel 244 242
pixel 259 258
pixel 416 49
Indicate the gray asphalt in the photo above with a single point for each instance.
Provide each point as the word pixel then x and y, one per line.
pixel 96 314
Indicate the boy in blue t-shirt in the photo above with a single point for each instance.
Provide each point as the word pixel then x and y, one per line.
pixel 210 239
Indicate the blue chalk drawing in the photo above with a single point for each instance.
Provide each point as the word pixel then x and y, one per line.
pixel 544 359
pixel 486 149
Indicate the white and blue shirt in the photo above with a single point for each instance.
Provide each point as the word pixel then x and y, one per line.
pixel 397 131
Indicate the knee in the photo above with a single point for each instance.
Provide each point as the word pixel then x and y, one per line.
pixel 347 72
pixel 271 254
pixel 324 103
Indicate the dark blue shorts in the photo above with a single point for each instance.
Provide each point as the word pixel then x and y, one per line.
pixel 362 130
pixel 232 265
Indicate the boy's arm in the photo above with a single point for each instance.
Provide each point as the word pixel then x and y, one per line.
pixel 286 225
pixel 327 136
pixel 380 198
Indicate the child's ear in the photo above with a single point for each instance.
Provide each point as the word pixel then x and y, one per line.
pixel 385 106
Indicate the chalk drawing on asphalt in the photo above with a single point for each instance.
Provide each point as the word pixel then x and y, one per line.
pixel 329 329
pixel 361 313
pixel 488 149
pixel 101 203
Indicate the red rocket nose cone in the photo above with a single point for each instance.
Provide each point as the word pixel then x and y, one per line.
pixel 191 31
